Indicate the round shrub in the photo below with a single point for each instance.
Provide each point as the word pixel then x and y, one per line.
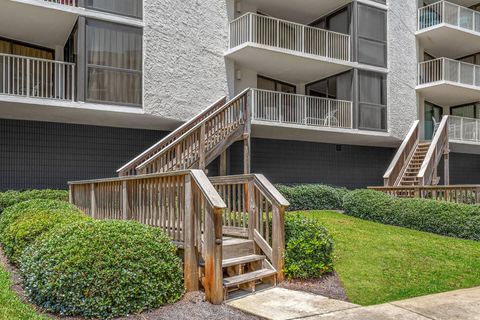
pixel 10 198
pixel 312 197
pixel 368 204
pixel 309 248
pixel 102 269
pixel 22 223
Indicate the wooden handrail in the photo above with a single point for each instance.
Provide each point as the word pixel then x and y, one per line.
pixel 170 138
pixel 191 132
pixel 404 152
pixel 434 153
pixel 183 204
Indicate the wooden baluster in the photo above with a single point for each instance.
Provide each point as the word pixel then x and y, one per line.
pixel 278 240
pixel 191 254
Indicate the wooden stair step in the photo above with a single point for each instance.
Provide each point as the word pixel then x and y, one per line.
pixel 242 260
pixel 234 248
pixel 248 277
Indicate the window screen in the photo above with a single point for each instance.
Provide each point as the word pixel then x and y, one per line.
pixel 372 100
pixel 372 36
pixel 132 8
pixel 114 63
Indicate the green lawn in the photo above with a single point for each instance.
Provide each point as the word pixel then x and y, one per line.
pixel 11 307
pixel 379 263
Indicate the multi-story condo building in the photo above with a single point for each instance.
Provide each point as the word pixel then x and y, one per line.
pixel 334 86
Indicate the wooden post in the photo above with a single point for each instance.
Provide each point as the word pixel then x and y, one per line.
pixel 125 204
pixel 252 214
pixel 213 256
pixel 190 252
pixel 278 240
pixel 446 167
pixel 93 202
pixel 246 155
pixel 70 193
pixel 223 163
pixel 247 132
pixel 201 148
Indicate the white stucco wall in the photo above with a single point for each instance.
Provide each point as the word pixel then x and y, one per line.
pixel 184 66
pixel 402 60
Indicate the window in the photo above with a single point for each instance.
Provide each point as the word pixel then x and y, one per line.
pixel 372 36
pixel 336 87
pixel 8 46
pixel 339 21
pixel 372 95
pixel 467 111
pixel 433 114
pixel 114 63
pixel 132 8
pixel 265 83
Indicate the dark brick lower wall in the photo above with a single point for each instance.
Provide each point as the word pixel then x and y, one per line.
pixel 46 155
pixel 284 161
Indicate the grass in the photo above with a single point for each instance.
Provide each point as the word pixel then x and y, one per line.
pixel 11 307
pixel 379 263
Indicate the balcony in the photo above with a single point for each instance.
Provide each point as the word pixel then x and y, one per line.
pixel 464 130
pixel 449 30
pixel 285 50
pixel 36 78
pixel 295 109
pixel 448 82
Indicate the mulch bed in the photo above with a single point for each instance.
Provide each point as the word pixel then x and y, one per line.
pixel 329 286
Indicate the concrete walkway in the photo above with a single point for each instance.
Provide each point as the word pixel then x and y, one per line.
pixel 284 304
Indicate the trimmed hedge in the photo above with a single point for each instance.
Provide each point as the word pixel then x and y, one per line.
pixel 309 248
pixel 22 223
pixel 440 217
pixel 10 198
pixel 313 197
pixel 102 269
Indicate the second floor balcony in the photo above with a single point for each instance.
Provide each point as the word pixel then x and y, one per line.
pixel 449 30
pixel 36 78
pixel 287 50
pixel 448 82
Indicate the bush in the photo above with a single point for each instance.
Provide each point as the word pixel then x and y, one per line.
pixel 10 198
pixel 313 197
pixel 309 248
pixel 440 217
pixel 22 223
pixel 102 269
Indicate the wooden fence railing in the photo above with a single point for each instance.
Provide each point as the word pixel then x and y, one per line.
pixel 404 153
pixel 196 147
pixel 130 168
pixel 257 209
pixel 469 194
pixel 184 204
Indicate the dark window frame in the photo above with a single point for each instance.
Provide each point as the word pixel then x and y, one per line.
pixel 359 37
pixel 26 44
pixel 276 81
pixel 89 66
pixel 84 4
pixel 475 105
pixel 384 107
pixel 327 79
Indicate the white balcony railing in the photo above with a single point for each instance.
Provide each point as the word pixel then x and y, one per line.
pixel 448 13
pixel 298 109
pixel 464 129
pixel 36 78
pixel 444 69
pixel 272 32
pixel 71 3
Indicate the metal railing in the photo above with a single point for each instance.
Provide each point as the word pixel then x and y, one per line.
pixel 448 13
pixel 36 78
pixel 464 129
pixel 288 35
pixel 273 106
pixel 444 69
pixel 70 3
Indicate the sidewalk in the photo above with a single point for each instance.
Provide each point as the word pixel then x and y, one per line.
pixel 284 304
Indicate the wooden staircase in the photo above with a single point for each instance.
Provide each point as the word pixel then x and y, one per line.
pixel 409 177
pixel 416 162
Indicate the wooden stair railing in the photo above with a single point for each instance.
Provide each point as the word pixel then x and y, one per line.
pixel 130 168
pixel 255 209
pixel 204 141
pixel 184 204
pixel 399 163
pixel 438 147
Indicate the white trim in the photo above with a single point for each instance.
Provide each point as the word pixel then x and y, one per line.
pixel 89 13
